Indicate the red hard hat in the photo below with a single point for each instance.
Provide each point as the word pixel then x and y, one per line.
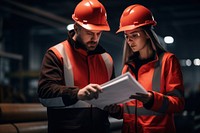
pixel 91 15
pixel 135 16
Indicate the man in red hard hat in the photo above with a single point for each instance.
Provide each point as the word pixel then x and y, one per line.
pixel 72 72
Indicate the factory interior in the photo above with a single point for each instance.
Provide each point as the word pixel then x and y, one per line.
pixel 29 27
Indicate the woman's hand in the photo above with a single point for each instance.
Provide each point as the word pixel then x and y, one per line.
pixel 144 98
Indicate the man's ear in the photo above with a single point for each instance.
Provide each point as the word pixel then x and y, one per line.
pixel 76 28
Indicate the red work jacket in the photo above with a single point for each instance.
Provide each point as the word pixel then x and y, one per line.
pixel 163 77
pixel 80 70
pixel 65 70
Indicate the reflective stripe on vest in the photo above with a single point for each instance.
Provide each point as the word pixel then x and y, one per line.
pixel 140 111
pixel 108 61
pixel 156 84
pixel 68 74
pixel 156 87
pixel 157 75
pixel 69 77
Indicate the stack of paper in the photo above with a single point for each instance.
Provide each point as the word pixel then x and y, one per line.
pixel 117 91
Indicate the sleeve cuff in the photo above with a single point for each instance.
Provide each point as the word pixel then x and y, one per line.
pixel 149 104
pixel 70 96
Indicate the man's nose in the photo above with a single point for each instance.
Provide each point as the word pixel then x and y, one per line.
pixel 95 37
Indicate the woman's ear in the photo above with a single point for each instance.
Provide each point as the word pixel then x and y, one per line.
pixel 147 35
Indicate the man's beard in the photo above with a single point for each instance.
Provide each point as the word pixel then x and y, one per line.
pixel 89 46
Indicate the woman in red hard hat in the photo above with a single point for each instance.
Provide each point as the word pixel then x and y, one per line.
pixel 157 70
pixel 72 72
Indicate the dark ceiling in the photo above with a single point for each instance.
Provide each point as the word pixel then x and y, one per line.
pixel 29 27
pixel 180 19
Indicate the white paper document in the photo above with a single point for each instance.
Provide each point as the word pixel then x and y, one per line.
pixel 117 91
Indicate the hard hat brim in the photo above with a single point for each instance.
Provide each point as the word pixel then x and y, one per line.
pixel 132 27
pixel 95 27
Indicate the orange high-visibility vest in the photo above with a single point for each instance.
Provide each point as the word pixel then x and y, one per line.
pixel 164 78
pixel 80 70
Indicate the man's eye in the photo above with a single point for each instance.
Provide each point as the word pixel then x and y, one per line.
pixel 134 35
pixel 89 33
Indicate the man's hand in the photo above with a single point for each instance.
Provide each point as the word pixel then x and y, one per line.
pixel 89 92
pixel 113 108
pixel 144 98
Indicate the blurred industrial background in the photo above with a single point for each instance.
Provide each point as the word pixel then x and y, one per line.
pixel 29 27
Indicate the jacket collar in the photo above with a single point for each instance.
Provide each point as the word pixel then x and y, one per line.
pixel 77 46
pixel 134 59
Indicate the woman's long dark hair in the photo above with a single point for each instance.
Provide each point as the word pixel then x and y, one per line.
pixel 156 45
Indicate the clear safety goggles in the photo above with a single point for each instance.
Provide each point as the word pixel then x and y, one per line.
pixel 132 36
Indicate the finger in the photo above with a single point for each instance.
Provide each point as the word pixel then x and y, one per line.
pixel 91 89
pixel 142 98
pixel 137 97
pixel 142 94
pixel 96 95
pixel 97 87
pixel 133 97
pixel 87 93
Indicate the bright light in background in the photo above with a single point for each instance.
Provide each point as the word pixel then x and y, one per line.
pixel 169 39
pixel 185 62
pixel 70 27
pixel 188 62
pixel 196 62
